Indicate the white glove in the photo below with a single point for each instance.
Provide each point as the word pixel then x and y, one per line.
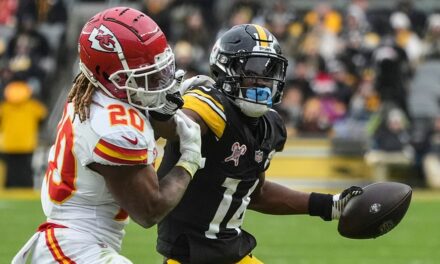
pixel 190 143
pixel 340 200
pixel 178 76
pixel 173 99
pixel 198 80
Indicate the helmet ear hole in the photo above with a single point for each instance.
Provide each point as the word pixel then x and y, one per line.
pixel 106 76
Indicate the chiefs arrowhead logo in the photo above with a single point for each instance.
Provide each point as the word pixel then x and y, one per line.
pixel 103 39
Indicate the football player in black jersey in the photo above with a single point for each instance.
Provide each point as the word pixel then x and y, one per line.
pixel 240 134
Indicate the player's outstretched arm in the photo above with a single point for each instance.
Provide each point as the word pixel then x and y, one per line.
pixel 273 198
pixel 137 188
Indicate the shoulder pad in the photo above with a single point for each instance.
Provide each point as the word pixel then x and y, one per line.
pixel 111 151
pixel 125 136
pixel 204 101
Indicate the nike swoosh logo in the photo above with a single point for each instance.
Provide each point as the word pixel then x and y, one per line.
pixel 132 141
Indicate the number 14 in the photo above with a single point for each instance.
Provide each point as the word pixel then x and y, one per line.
pixel 236 221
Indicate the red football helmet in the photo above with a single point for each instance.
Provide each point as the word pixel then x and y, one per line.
pixel 126 54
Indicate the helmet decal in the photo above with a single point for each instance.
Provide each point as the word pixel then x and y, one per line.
pixel 263 40
pixel 261 36
pixel 104 40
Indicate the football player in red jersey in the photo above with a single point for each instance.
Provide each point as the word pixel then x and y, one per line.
pixel 100 168
pixel 240 135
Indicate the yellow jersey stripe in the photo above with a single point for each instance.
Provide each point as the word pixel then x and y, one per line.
pixel 263 36
pixel 54 248
pixel 172 261
pixel 52 245
pixel 249 260
pixel 211 104
pixel 119 155
pixel 213 119
pixel 199 92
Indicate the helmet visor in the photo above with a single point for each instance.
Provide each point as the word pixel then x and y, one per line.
pixel 260 76
pixel 152 80
pixel 260 66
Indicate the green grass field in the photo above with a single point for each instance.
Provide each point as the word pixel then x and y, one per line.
pixel 281 239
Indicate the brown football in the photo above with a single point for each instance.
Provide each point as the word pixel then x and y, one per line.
pixel 376 211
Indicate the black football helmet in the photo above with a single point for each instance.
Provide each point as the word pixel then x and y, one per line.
pixel 247 64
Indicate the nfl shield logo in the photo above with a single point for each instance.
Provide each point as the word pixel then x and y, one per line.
pixel 258 156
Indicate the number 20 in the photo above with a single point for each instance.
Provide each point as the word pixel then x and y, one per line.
pixel 61 170
pixel 119 115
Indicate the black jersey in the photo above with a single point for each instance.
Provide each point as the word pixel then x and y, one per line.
pixel 205 227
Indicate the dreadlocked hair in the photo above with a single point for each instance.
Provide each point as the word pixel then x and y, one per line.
pixel 81 96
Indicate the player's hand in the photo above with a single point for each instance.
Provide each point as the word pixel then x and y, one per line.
pixel 190 143
pixel 174 100
pixel 340 200
pixel 195 81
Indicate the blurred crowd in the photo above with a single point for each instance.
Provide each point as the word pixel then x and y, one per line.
pixel 357 73
pixel 31 36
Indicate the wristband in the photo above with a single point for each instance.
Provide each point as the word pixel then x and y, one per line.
pixel 321 205
pixel 190 162
pixel 191 168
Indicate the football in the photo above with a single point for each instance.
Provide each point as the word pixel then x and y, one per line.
pixel 376 211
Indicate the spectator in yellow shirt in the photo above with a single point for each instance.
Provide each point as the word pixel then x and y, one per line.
pixel 20 117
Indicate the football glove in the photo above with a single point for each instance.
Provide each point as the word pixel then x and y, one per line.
pixel 190 143
pixel 330 207
pixel 195 81
pixel 340 200
pixel 174 100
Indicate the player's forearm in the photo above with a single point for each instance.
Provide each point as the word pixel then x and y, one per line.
pixel 164 129
pixel 168 194
pixel 276 199
pixel 138 191
pixel 172 188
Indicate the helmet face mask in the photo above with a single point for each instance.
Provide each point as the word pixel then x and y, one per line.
pixel 146 86
pixel 248 70
pixel 124 52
